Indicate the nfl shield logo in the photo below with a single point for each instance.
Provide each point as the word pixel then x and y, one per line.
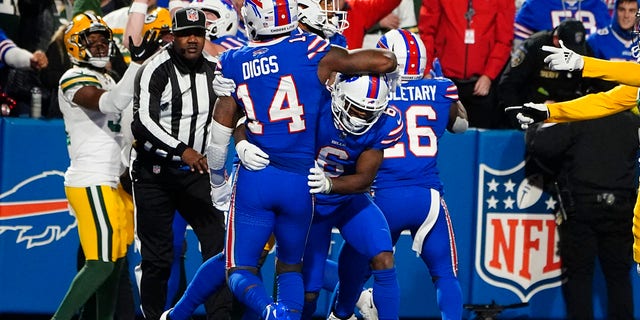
pixel 516 244
pixel 192 15
pixel 156 169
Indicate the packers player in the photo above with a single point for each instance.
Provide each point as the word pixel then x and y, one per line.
pixel 91 103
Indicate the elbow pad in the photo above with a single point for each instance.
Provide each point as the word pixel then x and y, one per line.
pixel 216 151
pixel 460 125
pixel 118 98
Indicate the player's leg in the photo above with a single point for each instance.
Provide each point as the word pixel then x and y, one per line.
pixel 365 229
pixel 249 227
pixel 292 223
pixel 315 257
pixel 100 214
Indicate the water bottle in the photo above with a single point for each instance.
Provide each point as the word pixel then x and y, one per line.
pixel 36 103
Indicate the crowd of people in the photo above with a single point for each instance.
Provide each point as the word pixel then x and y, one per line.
pixel 154 93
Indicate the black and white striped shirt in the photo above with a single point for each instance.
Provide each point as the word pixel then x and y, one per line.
pixel 173 105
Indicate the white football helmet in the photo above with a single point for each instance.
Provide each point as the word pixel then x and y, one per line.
pixel 409 50
pixel 311 14
pixel 336 17
pixel 358 101
pixel 227 22
pixel 269 17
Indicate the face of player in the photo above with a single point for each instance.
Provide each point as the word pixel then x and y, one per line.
pixel 189 43
pixel 626 12
pixel 97 44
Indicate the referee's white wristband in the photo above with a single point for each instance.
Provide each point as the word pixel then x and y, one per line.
pixel 138 7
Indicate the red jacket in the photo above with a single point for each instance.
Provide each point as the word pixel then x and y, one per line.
pixel 442 26
pixel 362 15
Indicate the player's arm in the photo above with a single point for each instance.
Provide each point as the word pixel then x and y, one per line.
pixel 366 169
pixel 594 106
pixel 623 72
pixel 358 61
pixel 458 120
pixel 112 101
pixel 135 22
pixel 224 119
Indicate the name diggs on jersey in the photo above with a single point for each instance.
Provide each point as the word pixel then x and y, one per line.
pixel 260 67
pixel 424 92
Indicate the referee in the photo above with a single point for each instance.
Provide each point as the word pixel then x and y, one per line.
pixel 173 106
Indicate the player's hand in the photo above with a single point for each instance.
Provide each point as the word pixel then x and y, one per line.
pixel 530 113
pixel 252 157
pixel 393 78
pixel 318 180
pixel 563 58
pixel 222 86
pixel 436 69
pixel 221 196
pixel 147 47
pixel 38 60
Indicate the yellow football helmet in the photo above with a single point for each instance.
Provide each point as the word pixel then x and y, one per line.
pixel 75 39
pixel 157 20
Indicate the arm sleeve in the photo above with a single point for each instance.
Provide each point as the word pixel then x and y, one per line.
pixel 623 72
pixel 18 58
pixel 117 99
pixel 594 106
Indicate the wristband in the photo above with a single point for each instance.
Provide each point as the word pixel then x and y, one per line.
pixel 138 7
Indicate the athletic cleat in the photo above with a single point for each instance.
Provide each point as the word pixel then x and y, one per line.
pixel 276 311
pixel 165 315
pixel 332 316
pixel 366 306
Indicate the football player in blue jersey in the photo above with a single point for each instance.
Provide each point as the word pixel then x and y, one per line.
pixel 538 15
pixel 351 144
pixel 408 188
pixel 312 17
pixel 271 74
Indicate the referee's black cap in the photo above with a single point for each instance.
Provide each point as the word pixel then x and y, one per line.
pixel 188 18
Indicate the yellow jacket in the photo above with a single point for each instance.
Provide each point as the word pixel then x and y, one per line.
pixel 620 98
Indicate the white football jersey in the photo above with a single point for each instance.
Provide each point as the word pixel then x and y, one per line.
pixel 93 138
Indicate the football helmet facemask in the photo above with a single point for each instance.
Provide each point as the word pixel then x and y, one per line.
pixel 409 50
pixel 358 101
pixel 76 39
pixel 269 17
pixel 336 17
pixel 227 22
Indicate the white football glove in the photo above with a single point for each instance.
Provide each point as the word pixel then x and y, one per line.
pixel 318 180
pixel 563 58
pixel 222 86
pixel 221 196
pixel 530 113
pixel 638 268
pixel 252 157
pixel 393 79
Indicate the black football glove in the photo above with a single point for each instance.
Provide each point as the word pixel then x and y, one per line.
pixel 149 45
pixel 530 113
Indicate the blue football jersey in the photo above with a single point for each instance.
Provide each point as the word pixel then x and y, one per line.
pixel 338 151
pixel 424 105
pixel 537 15
pixel 230 42
pixel 606 45
pixel 5 45
pixel 279 90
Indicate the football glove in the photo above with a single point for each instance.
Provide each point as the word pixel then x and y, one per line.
pixel 563 58
pixel 436 69
pixel 147 47
pixel 222 86
pixel 530 113
pixel 252 157
pixel 221 196
pixel 393 78
pixel 638 268
pixel 318 181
